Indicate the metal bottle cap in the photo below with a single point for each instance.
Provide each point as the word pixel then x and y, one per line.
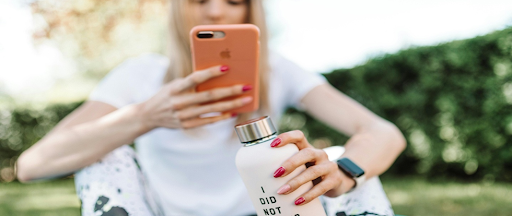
pixel 255 129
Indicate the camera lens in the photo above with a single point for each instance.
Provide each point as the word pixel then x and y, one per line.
pixel 205 34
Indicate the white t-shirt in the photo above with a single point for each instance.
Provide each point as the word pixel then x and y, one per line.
pixel 192 172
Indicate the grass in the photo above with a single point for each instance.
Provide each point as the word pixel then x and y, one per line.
pixel 409 196
pixel 53 198
pixel 417 197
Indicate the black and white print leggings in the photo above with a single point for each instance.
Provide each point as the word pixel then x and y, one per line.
pixel 115 186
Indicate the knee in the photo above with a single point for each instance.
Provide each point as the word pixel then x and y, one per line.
pixel 103 207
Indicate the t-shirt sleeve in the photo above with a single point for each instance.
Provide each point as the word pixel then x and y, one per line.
pixel 296 81
pixel 117 87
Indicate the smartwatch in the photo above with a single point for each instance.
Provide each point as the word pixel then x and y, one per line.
pixel 352 170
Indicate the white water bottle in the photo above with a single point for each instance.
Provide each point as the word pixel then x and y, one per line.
pixel 256 163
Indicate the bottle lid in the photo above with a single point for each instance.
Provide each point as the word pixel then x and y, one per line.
pixel 255 129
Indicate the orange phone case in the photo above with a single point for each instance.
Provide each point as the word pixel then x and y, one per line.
pixel 239 49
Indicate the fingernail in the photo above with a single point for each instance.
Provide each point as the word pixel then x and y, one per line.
pixel 246 88
pixel 224 68
pixel 299 201
pixel 283 189
pixel 279 172
pixel 234 115
pixel 246 100
pixel 275 143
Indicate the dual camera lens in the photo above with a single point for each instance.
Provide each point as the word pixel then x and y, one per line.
pixel 210 34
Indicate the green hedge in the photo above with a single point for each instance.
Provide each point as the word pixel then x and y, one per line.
pixel 452 101
pixel 22 127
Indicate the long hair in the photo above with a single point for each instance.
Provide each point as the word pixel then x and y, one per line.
pixel 180 56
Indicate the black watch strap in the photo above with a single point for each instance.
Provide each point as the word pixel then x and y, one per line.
pixel 352 170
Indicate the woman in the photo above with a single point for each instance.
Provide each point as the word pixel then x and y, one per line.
pixel 188 161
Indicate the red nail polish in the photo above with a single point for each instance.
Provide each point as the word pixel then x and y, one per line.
pixel 299 201
pixel 224 68
pixel 275 143
pixel 246 88
pixel 279 172
pixel 234 115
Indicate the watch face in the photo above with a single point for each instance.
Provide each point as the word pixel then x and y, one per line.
pixel 350 167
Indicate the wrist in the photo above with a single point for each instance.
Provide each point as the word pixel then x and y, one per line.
pixel 347 183
pixel 351 171
pixel 141 119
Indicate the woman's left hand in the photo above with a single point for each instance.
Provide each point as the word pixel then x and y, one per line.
pixel 331 181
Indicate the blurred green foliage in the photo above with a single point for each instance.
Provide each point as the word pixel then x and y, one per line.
pixel 20 128
pixel 452 102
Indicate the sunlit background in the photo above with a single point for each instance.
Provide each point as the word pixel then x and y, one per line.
pixel 319 35
pixel 53 52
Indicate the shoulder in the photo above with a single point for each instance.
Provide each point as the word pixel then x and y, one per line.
pixel 147 60
pixel 282 66
pixel 148 64
pixel 131 80
pixel 292 79
pixel 278 61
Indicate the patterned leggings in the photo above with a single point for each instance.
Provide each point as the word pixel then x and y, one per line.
pixel 115 186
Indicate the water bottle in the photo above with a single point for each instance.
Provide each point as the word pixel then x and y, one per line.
pixel 256 162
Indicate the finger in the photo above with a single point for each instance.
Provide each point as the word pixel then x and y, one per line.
pixel 296 137
pixel 206 96
pixel 306 176
pixel 316 191
pixel 301 158
pixel 196 111
pixel 196 122
pixel 198 77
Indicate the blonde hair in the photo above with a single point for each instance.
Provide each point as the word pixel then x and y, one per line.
pixel 180 56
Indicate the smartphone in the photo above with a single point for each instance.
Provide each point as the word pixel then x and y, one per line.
pixel 234 45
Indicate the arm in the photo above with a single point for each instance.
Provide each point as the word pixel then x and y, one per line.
pixel 374 145
pixel 80 139
pixel 96 128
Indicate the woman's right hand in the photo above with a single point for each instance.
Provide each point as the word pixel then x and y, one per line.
pixel 177 105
